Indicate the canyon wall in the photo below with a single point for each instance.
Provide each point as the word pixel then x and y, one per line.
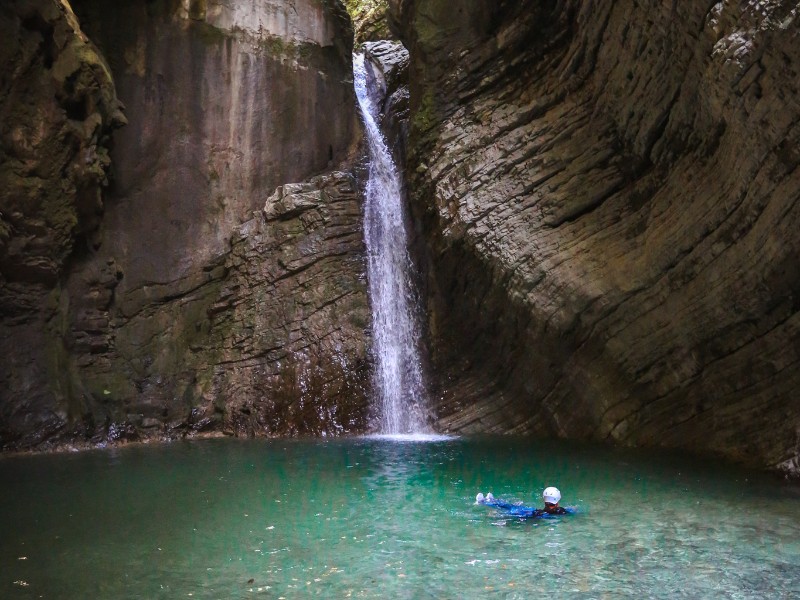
pixel 607 196
pixel 202 293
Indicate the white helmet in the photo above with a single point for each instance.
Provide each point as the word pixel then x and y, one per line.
pixel 479 498
pixel 489 497
pixel 551 495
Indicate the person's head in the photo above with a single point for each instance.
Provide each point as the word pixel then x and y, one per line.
pixel 551 497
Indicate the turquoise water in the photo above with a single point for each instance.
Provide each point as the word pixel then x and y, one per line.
pixel 363 518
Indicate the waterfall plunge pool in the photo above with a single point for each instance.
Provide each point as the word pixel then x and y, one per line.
pixel 384 518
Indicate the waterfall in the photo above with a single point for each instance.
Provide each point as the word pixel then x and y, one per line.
pixel 398 378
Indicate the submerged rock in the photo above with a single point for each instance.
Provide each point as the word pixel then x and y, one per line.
pixel 607 200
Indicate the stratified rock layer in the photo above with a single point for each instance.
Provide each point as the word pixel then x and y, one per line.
pixel 174 316
pixel 608 201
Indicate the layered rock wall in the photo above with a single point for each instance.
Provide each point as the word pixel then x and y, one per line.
pixel 605 198
pixel 608 194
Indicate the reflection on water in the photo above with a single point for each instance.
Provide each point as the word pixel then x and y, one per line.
pixel 374 518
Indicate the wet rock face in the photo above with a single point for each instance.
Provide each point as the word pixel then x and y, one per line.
pixel 286 343
pixel 608 199
pixel 176 317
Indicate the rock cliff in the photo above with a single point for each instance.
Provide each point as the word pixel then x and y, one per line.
pixel 607 200
pixel 58 108
pixel 195 297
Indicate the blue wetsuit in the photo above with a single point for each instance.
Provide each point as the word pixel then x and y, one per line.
pixel 525 512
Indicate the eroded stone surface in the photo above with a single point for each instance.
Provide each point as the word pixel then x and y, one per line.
pixel 292 319
pixel 608 198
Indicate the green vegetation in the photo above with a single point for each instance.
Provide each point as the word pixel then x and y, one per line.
pixel 279 47
pixel 208 34
pixel 369 20
pixel 273 45
pixel 276 45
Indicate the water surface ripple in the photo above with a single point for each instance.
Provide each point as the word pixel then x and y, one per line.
pixel 383 518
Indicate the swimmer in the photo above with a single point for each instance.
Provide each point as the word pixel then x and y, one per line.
pixel 551 498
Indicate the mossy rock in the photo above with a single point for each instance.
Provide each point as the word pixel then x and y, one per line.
pixel 370 21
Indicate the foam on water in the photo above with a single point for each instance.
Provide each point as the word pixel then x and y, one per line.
pixel 410 437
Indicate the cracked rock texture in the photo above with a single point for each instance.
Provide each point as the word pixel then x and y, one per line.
pixel 607 196
pixel 181 303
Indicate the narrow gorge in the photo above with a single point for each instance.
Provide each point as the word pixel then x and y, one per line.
pixel 602 216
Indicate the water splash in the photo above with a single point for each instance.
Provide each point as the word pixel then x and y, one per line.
pixel 398 374
pixel 411 437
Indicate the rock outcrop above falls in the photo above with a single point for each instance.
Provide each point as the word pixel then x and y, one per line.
pixel 608 198
pixel 387 77
pixel 181 304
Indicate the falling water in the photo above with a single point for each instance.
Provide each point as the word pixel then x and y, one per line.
pixel 398 374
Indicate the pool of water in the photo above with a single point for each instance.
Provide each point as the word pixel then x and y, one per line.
pixel 389 518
